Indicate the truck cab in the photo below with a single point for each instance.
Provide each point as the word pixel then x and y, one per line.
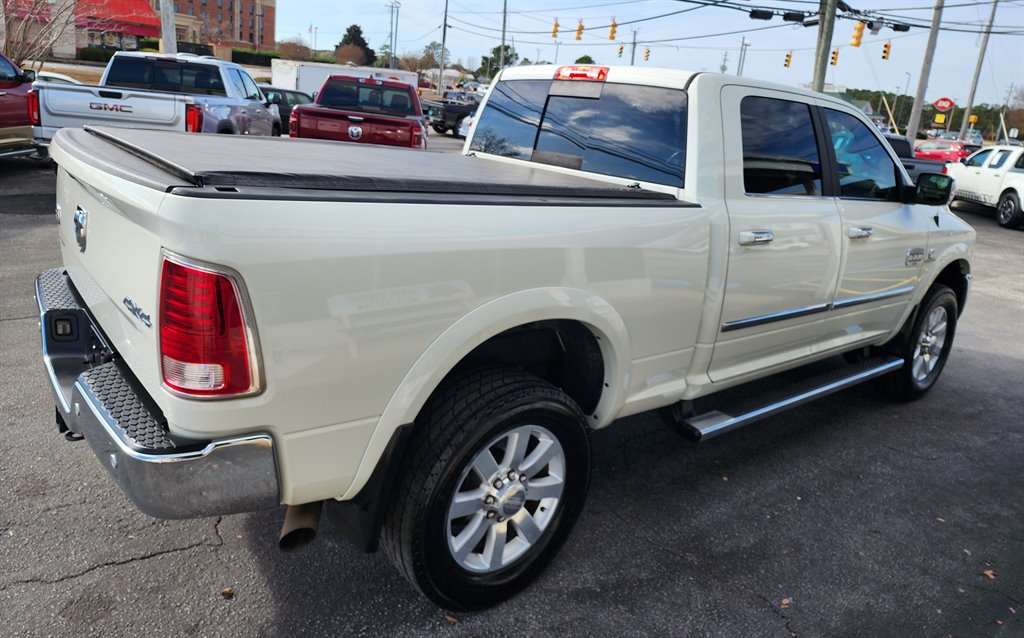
pixel 15 125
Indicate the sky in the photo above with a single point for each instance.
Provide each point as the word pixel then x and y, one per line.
pixel 684 34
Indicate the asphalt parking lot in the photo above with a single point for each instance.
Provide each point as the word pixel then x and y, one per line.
pixel 853 516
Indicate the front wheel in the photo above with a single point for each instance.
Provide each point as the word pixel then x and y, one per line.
pixel 926 347
pixel 1008 211
pixel 497 477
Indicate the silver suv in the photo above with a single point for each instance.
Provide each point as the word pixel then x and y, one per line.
pixel 231 101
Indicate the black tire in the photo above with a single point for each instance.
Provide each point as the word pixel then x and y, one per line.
pixel 926 346
pixel 470 417
pixel 275 131
pixel 440 129
pixel 1008 212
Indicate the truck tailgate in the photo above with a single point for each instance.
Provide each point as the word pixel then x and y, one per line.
pixel 365 128
pixel 73 105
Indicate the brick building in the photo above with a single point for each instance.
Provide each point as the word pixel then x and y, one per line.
pixel 237 23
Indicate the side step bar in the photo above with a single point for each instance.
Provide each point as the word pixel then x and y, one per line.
pixel 710 424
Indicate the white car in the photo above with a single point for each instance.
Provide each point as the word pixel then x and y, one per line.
pixel 993 176
pixel 464 126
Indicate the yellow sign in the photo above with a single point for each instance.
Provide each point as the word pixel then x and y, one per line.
pixel 940 118
pixel 973 119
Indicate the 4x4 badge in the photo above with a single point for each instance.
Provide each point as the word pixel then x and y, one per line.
pixel 81 220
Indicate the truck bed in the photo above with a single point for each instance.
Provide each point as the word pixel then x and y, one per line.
pixel 277 168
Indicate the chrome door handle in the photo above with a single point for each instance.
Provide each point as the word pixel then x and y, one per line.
pixel 860 232
pixel 754 237
pixel 3 93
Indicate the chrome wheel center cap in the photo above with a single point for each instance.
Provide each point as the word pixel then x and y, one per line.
pixel 512 500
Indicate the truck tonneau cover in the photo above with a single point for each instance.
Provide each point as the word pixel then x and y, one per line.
pixel 168 161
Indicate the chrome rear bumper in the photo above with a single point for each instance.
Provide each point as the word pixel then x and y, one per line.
pixel 164 475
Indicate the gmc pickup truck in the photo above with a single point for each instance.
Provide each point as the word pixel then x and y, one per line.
pixel 183 92
pixel 419 343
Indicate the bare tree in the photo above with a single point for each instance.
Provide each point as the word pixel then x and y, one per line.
pixel 29 29
pixel 292 50
pixel 349 53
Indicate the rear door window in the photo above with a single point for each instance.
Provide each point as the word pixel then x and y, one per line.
pixel 999 159
pixel 173 76
pixel 780 152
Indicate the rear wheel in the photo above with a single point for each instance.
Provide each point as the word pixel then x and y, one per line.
pixel 926 346
pixel 1008 212
pixel 497 477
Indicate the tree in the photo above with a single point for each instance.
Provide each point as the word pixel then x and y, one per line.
pixel 431 58
pixel 350 53
pixel 1015 115
pixel 354 38
pixel 584 59
pixel 292 50
pixel 29 29
pixel 489 63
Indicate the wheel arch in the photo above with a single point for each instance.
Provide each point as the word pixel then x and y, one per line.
pixel 491 334
pixel 956 275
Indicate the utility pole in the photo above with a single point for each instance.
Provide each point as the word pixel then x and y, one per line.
pixel 444 37
pixel 632 56
pixel 391 36
pixel 743 55
pixel 168 36
pixel 977 71
pixel 725 62
pixel 315 29
pixel 926 69
pixel 394 47
pixel 825 28
pixel 504 20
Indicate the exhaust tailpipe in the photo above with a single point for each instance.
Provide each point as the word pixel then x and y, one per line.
pixel 300 525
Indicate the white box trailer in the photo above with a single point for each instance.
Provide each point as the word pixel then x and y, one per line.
pixel 308 77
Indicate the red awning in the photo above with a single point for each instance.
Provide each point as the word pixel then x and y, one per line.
pixel 117 15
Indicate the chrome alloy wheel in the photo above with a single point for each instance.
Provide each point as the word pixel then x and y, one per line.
pixel 929 344
pixel 505 499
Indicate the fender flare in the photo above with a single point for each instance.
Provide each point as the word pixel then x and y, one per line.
pixel 484 322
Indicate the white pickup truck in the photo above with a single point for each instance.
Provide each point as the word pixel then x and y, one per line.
pixel 423 340
pixel 993 176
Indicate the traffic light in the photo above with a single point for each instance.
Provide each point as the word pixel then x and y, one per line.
pixel 620 50
pixel 554 29
pixel 885 50
pixel 789 59
pixel 858 34
pixel 579 30
pixel 612 29
pixel 647 54
pixel 835 57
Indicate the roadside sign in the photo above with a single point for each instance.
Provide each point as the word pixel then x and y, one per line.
pixel 943 104
pixel 1013 133
pixel 973 119
pixel 940 118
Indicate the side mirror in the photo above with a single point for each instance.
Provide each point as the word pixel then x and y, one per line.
pixel 28 76
pixel 274 98
pixel 934 189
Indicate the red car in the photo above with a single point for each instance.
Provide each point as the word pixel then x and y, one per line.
pixel 362 110
pixel 944 150
pixel 15 125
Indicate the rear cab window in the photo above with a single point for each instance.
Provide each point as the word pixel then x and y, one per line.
pixel 362 95
pixel 631 131
pixel 173 76
pixel 780 150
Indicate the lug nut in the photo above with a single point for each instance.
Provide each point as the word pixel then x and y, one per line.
pixel 490 514
pixel 489 500
pixel 501 519
pixel 512 476
pixel 498 484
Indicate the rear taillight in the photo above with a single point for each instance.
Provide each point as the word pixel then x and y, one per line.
pixel 417 136
pixel 207 349
pixel 582 72
pixel 293 124
pixel 194 118
pixel 33 107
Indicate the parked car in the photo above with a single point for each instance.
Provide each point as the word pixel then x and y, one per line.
pixel 993 176
pixel 56 78
pixel 15 124
pixel 286 100
pixel 944 150
pixel 448 115
pixel 466 125
pixel 915 166
pixel 363 110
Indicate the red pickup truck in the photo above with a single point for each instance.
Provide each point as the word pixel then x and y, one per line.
pixel 363 110
pixel 15 126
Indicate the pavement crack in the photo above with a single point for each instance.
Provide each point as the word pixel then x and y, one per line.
pixel 775 610
pixel 216 530
pixel 911 454
pixel 19 318
pixel 115 563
